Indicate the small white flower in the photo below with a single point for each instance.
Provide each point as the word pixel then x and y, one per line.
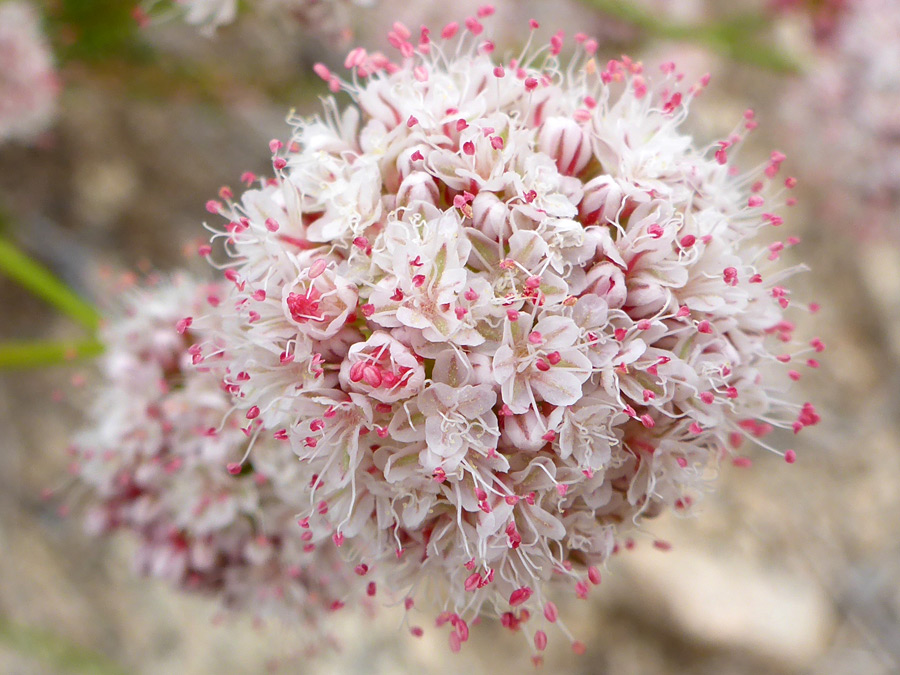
pixel 383 368
pixel 541 364
pixel 457 419
pixel 423 293
pixel 319 305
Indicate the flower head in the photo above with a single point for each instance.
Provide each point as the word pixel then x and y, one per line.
pixel 561 318
pixel 849 101
pixel 165 460
pixel 28 81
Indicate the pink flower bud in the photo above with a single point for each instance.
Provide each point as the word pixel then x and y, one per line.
pixel 566 142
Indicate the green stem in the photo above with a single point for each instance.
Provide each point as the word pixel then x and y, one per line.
pixel 38 353
pixel 733 37
pixel 57 652
pixel 40 281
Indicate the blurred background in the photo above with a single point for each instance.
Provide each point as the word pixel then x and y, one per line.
pixel 785 569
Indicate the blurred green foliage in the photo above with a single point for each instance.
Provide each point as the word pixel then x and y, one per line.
pixel 740 37
pixel 54 651
pixel 94 30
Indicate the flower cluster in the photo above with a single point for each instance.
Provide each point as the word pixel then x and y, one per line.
pixel 502 310
pixel 327 17
pixel 162 460
pixel 848 123
pixel 28 81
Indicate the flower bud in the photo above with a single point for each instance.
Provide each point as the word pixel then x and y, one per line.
pixel 566 142
pixel 490 215
pixel 418 186
pixel 601 202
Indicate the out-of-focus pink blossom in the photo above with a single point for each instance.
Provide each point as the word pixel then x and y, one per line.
pixel 327 18
pixel 28 82
pixel 825 16
pixel 843 117
pixel 163 459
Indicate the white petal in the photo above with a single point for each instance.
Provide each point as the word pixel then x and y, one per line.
pixel 504 364
pixel 557 386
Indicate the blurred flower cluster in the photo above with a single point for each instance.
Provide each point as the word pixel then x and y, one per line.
pixel 326 17
pixel 825 16
pixel 28 82
pixel 162 459
pixel 843 116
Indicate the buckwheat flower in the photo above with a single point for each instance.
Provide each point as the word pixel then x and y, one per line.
pixel 544 363
pixel 563 319
pixel 162 459
pixel 382 367
pixel 451 420
pixel 28 81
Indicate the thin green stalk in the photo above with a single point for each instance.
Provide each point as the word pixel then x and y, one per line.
pixel 40 281
pixel 735 37
pixel 38 353
pixel 55 651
